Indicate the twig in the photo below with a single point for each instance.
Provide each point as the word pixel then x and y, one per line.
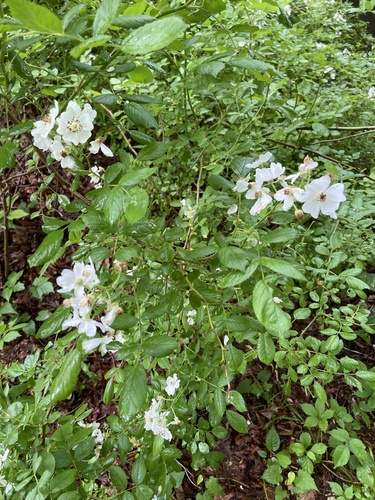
pixel 120 130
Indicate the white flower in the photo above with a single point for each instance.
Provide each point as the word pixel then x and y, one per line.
pixel 267 174
pixel 225 340
pixel 371 93
pixel 75 125
pixel 190 316
pixel 339 18
pixel 157 421
pixel 172 384
pixel 232 209
pixel 97 145
pixel 288 10
pixel 85 324
pixel 189 212
pixel 331 71
pixel 320 45
pixel 263 199
pixel 4 457
pixel 43 128
pixel 59 153
pixel 319 196
pixel 82 275
pixel 288 194
pixel 241 186
pixel 262 159
pixel 277 300
pixel 303 170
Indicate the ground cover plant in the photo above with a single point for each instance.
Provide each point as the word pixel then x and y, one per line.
pixel 188 265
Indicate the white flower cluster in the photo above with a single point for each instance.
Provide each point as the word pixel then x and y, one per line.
pixel 156 420
pixel 4 484
pixel 80 281
pixel 74 127
pixel 318 196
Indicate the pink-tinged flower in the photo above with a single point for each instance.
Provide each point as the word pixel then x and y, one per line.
pixel 97 145
pixel 43 127
pixel 75 125
pixel 319 196
pixel 287 195
pixel 172 384
pixel 262 159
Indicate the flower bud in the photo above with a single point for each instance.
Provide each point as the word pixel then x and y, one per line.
pixel 299 214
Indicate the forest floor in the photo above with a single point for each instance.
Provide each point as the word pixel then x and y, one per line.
pixel 240 473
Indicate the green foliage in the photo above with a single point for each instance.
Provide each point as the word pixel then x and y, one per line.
pixel 198 285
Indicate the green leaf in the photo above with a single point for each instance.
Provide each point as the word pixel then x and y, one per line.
pixel 65 382
pixel 272 474
pixel 53 324
pixel 137 205
pixel 237 277
pixel 133 391
pixel 236 421
pixel 251 64
pixel 267 311
pixel 114 207
pixel 135 176
pixel 237 400
pixel 118 477
pixel 140 116
pixel 366 375
pixel 132 22
pixel 106 99
pixel 304 482
pixel 356 283
pixel 154 36
pixel 152 151
pixel 47 250
pixel 220 401
pixel 89 43
pixel 341 455
pixel 265 348
pixel 35 17
pixel 233 258
pixel 62 480
pixel 7 154
pixel 279 235
pixel 212 485
pixel 139 471
pixel 159 345
pixel 104 16
pixel 272 440
pixel 282 267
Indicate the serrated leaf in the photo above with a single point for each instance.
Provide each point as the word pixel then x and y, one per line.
pixel 114 207
pixel 251 64
pixel 139 115
pixel 118 477
pixel 159 346
pixel 211 68
pixel 35 17
pixel 106 99
pixel 47 250
pixel 154 36
pixel 356 283
pixel 135 176
pixel 237 277
pixel 282 267
pixel 366 375
pixel 233 258
pixel 89 43
pixel 136 205
pixel 266 348
pixel 237 400
pixel 53 324
pixel 7 154
pixel 133 22
pixel 133 391
pixel 104 16
pixel 304 482
pixel 272 440
pixel 272 474
pixel 279 235
pixel 220 401
pixel 66 380
pixel 268 312
pixel 340 455
pixel 236 421
pixel 152 151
